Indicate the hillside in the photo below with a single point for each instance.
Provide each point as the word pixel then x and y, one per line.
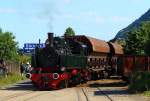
pixel 123 33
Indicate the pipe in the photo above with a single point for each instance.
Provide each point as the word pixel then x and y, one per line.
pixel 50 38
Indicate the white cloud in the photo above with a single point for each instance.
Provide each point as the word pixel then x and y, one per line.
pixel 7 10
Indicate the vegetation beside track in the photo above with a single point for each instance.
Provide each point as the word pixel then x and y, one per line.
pixel 10 79
pixel 147 93
pixel 140 83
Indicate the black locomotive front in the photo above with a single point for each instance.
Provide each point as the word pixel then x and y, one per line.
pixel 60 52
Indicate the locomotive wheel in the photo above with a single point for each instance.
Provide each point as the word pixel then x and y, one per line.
pixel 89 77
pixel 83 80
pixel 64 84
pixel 75 80
pixel 34 84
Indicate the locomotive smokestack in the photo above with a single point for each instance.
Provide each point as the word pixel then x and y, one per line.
pixel 50 38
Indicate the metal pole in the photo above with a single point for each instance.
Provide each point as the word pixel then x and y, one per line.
pixel 39 43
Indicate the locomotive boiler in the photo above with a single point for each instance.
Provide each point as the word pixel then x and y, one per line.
pixel 70 60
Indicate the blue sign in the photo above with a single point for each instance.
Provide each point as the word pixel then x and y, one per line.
pixel 33 45
pixel 29 47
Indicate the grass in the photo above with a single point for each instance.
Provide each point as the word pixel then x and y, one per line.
pixel 10 79
pixel 147 93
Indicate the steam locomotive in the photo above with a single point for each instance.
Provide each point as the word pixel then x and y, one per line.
pixel 71 60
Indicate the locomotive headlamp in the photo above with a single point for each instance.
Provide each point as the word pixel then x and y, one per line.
pixel 55 76
pixel 63 69
pixel 28 75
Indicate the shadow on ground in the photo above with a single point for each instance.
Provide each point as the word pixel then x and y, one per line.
pixel 110 88
pixel 111 92
pixel 113 84
pixel 27 85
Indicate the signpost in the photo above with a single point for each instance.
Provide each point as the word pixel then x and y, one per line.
pixel 29 47
pixel 33 45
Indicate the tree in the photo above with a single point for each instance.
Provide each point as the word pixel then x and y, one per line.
pixel 8 45
pixel 146 29
pixel 69 32
pixel 147 48
pixel 24 58
pixel 137 42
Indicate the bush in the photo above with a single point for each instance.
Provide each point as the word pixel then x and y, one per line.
pixel 140 82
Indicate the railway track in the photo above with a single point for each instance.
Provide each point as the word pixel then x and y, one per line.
pixel 87 99
pixel 82 95
pixel 106 95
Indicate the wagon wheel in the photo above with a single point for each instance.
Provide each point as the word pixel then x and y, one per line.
pixel 87 76
pixel 106 75
pixel 34 84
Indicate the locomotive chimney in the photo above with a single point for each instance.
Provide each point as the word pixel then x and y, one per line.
pixel 50 38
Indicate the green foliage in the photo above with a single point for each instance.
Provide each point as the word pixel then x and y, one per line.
pixel 147 47
pixel 138 42
pixel 140 82
pixel 121 42
pixel 69 32
pixel 147 93
pixel 12 78
pixel 24 58
pixel 135 43
pixel 8 45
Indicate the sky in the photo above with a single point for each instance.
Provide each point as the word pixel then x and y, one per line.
pixel 30 20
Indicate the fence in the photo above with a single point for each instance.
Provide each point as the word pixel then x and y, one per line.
pixel 13 67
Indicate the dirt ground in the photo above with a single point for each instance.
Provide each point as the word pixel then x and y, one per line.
pixel 100 90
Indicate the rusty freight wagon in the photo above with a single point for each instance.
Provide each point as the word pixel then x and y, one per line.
pixel 131 64
pixel 102 56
